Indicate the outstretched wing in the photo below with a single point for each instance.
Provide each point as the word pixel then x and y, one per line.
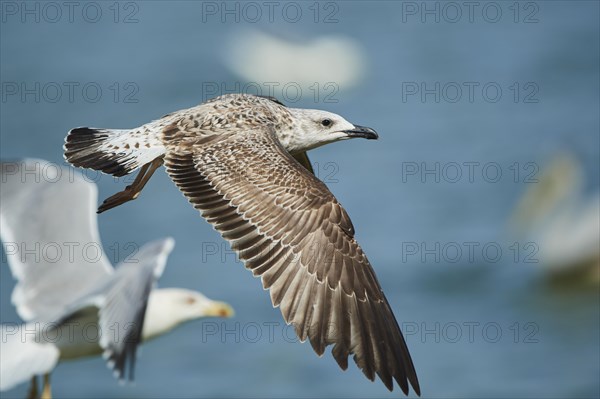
pixel 50 235
pixel 123 303
pixel 119 306
pixel 291 231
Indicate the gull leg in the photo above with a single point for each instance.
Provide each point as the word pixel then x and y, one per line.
pixel 33 388
pixel 125 195
pixel 46 391
pixel 133 191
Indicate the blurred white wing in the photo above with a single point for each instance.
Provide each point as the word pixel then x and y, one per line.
pixel 49 231
pixel 122 303
pixel 23 358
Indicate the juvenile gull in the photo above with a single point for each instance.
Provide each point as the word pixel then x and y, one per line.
pixel 75 303
pixel 241 161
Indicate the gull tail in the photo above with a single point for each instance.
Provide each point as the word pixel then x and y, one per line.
pixel 112 151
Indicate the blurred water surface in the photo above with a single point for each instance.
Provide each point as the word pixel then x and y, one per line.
pixel 480 326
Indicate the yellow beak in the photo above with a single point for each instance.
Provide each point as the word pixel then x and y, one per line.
pixel 220 309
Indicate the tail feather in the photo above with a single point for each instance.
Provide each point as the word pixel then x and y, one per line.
pixel 112 151
pixel 98 149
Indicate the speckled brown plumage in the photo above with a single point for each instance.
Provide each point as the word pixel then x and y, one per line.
pixel 232 158
pixel 291 231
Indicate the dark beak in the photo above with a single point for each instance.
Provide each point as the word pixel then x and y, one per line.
pixel 362 131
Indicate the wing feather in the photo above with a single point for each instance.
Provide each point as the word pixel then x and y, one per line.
pixel 292 232
pixel 47 241
pixel 125 305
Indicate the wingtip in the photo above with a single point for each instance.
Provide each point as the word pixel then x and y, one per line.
pixel 169 244
pixel 406 383
pixel 416 387
pixel 389 384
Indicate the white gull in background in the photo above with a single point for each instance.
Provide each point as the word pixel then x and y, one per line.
pixel 562 221
pixel 60 293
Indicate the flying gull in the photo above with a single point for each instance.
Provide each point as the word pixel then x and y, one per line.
pixel 241 161
pixel 75 303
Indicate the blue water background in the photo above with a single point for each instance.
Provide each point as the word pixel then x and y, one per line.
pixel 170 54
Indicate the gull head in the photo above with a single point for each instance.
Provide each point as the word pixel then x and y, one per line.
pixel 170 307
pixel 312 128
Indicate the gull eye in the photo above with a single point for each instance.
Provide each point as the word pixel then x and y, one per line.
pixel 190 300
pixel 326 122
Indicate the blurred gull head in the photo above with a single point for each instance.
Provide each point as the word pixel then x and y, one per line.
pixel 170 307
